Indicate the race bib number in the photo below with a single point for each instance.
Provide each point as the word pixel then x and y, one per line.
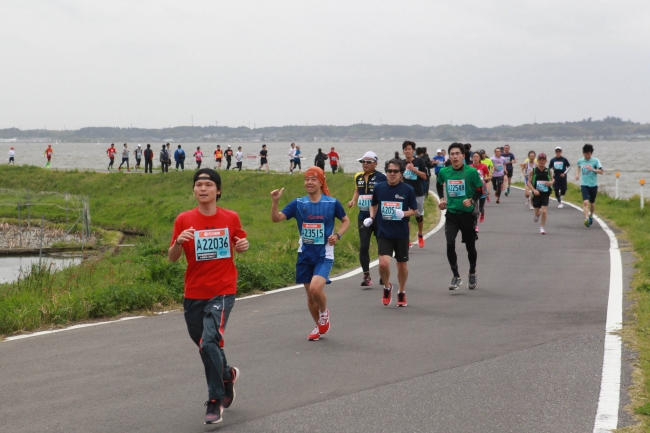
pixel 541 186
pixel 507 158
pixel 364 202
pixel 211 244
pixel 456 188
pixel 558 165
pixel 313 233
pixel 498 167
pixel 334 158
pixel 585 169
pixel 410 175
pixel 441 164
pixel 388 209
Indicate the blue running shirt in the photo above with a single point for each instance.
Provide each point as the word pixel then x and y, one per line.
pixel 315 222
pixel 589 177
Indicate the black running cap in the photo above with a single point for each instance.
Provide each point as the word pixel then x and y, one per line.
pixel 212 175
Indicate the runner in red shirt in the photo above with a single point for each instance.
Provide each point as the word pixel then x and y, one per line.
pixel 48 155
pixel 334 160
pixel 485 175
pixel 209 236
pixel 111 151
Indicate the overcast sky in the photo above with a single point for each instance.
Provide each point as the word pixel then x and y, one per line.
pixel 486 62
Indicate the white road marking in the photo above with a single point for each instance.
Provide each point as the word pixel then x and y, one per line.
pixel 610 383
pixel 70 328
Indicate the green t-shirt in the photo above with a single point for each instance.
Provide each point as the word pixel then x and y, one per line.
pixel 460 185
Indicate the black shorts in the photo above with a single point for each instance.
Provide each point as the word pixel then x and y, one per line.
pixel 217 159
pixel 540 200
pixel 509 171
pixel 464 222
pixel 388 246
pixel 263 161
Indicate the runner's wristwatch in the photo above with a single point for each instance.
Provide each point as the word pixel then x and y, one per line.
pixel 339 236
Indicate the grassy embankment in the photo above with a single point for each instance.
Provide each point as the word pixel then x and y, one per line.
pixel 141 278
pixel 627 216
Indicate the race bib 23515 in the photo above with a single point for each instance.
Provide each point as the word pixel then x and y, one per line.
pixel 313 233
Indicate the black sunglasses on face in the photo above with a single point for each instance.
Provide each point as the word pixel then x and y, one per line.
pixel 392 171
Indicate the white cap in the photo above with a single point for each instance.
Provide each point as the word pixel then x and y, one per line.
pixel 139 145
pixel 369 154
pixel 228 145
pixel 439 151
pixel 558 148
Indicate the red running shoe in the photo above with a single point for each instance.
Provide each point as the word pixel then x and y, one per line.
pixel 420 241
pixel 482 217
pixel 366 281
pixel 324 322
pixel 315 335
pixel 410 244
pixel 387 298
pixel 401 299
pixel 476 229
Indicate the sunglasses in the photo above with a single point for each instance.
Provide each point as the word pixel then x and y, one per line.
pixel 392 171
pixel 367 162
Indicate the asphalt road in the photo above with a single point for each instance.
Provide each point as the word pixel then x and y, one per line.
pixel 522 353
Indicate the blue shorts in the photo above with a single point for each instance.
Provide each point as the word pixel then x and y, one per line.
pixel 306 269
pixel 589 193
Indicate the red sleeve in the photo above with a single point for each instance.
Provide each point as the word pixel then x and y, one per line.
pixel 178 229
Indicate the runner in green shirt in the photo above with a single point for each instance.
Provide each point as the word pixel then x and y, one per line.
pixel 463 189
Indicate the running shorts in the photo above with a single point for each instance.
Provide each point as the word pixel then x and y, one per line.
pixel 263 161
pixel 420 203
pixel 388 246
pixel 463 222
pixel 589 193
pixel 306 269
pixel 509 171
pixel 217 159
pixel 540 200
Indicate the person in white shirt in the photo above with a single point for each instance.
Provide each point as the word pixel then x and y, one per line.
pixel 292 156
pixel 12 154
pixel 239 156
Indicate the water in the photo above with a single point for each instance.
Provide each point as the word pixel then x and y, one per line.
pixel 616 156
pixel 10 267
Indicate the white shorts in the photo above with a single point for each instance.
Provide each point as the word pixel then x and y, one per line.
pixel 420 202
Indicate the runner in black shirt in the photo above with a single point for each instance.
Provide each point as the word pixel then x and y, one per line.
pixel 415 175
pixel 560 166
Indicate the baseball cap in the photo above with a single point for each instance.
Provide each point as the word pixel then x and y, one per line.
pixel 558 148
pixel 369 154
pixel 213 175
pixel 541 156
pixel 139 145
pixel 228 145
pixel 439 151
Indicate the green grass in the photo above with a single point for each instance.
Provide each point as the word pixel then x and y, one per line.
pixel 124 280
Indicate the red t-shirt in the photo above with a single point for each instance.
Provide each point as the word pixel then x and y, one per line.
pixel 483 171
pixel 334 158
pixel 111 152
pixel 49 152
pixel 206 279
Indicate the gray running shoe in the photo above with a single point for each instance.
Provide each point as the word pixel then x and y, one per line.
pixel 455 282
pixel 213 412
pixel 536 219
pixel 472 282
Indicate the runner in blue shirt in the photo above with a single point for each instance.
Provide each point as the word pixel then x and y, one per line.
pixel 393 202
pixel 588 169
pixel 439 161
pixel 314 214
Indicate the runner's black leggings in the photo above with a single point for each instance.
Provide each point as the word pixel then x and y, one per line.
pixel 497 181
pixel 481 205
pixel 465 224
pixel 110 164
pixel 148 165
pixel 560 188
pixel 239 165
pixel 365 234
